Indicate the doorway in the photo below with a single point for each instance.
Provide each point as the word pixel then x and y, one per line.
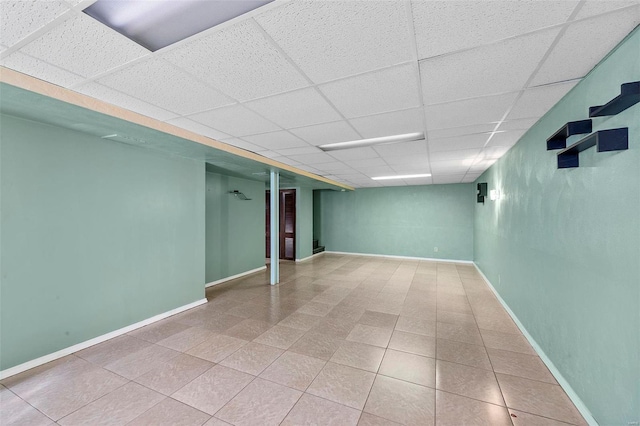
pixel 287 236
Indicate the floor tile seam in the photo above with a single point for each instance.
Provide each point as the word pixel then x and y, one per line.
pixel 234 395
pixel 29 404
pixel 544 417
pixel 190 381
pixel 478 400
pixel 535 380
pixel 95 400
pixel 177 354
pixel 504 400
pixel 519 333
pixel 325 399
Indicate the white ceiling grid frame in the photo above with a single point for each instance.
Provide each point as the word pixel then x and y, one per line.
pixel 320 134
pixel 506 139
pixel 276 140
pixel 416 148
pixel 240 143
pixel 199 128
pixel 361 153
pixel 307 149
pixel 536 101
pixel 501 67
pixel 84 46
pixel 334 39
pixel 599 7
pixel 469 112
pixel 473 129
pixel 390 123
pixel 235 120
pixel 22 18
pixel 472 141
pixel 29 65
pixel 239 61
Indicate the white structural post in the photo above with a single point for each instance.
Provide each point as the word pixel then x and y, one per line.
pixel 275 227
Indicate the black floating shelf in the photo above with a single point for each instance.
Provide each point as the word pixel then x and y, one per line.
pixel 559 138
pixel 605 140
pixel 482 192
pixel 629 96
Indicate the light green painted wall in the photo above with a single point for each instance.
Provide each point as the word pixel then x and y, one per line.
pixel 96 236
pixel 317 215
pixel 401 221
pixel 563 247
pixel 235 229
pixel 304 222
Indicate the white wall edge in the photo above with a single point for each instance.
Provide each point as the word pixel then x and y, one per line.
pixel 304 259
pixel 573 396
pixel 432 259
pixel 233 277
pixel 80 346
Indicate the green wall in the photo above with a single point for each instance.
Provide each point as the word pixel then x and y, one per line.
pixel 563 246
pixel 235 229
pixel 304 223
pixel 317 215
pixel 96 235
pixel 401 221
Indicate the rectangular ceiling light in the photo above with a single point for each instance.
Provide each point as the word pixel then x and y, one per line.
pixel 155 24
pixel 407 137
pixel 401 176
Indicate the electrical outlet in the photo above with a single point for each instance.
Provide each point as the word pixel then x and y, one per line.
pixel 435 249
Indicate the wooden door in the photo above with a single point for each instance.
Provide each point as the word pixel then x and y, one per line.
pixel 287 236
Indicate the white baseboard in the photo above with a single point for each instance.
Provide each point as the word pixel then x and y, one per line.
pixel 400 257
pixel 304 259
pixel 577 401
pixel 233 277
pixel 80 346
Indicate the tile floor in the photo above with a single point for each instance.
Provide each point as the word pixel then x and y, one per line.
pixel 343 340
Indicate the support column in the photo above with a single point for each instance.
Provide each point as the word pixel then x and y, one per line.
pixel 275 227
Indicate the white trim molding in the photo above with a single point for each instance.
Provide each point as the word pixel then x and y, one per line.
pixel 304 259
pixel 577 401
pixel 80 346
pixel 431 259
pixel 233 277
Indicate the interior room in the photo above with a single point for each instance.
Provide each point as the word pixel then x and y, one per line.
pixel 320 212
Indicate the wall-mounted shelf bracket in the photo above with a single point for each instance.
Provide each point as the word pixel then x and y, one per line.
pixel 604 140
pixel 629 96
pixel 559 138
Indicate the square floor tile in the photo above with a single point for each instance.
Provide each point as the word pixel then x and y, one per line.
pixel 402 402
pixel 455 317
pixel 335 327
pixel 378 319
pixel 174 373
pixel 367 419
pixel 359 355
pixel 171 413
pixel 280 337
pixel 311 410
pixel 467 333
pixel 15 411
pixel 344 385
pixel 140 362
pixel 248 329
pixel 317 345
pixel 468 381
pixel 316 308
pixel 217 348
pixel 294 370
pixel 112 350
pixel 161 330
pixel 409 367
pixel 252 358
pixel 463 353
pixel 520 418
pixel 300 321
pixel 455 410
pixel 413 343
pixel 187 339
pixel 506 341
pixel 416 326
pixel 521 365
pixel 369 335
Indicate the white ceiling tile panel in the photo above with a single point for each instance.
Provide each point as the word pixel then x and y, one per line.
pixel 276 140
pixel 419 181
pixel 313 159
pixel 198 128
pixel 471 177
pixel 494 152
pixel 84 46
pixel 391 123
pixel 239 143
pixel 449 26
pixel 122 100
pixel 584 44
pixel 307 149
pixel 21 18
pixel 161 84
pixel 404 148
pixel 449 167
pixel 468 112
pixel 408 161
pixel 597 7
pixel 354 154
pixel 481 165
pixel 447 179
pixel 321 134
pixel 376 171
pixel 497 68
pixel 535 102
pixel 366 162
pixel 411 169
pixel 461 131
pixel 457 143
pixel 235 120
pixel 333 39
pixel 335 166
pixel 40 69
pixel 239 61
pixel 391 89
pixel 519 124
pixel 295 109
pixel 467 155
pixel 506 138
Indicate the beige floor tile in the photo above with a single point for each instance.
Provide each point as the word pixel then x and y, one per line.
pixel 498 322
pixel 542 399
pixel 521 365
pixel 116 408
pixel 311 410
pixel 213 389
pixel 419 310
pixel 187 339
pixel 335 327
pixel 520 418
pixel 300 321
pixel 112 350
pixel 316 308
pixel 220 322
pixel 317 345
pixel 370 335
pixel 280 337
pixel 170 412
pixel 463 353
pixel 455 410
pixel 248 329
pixel 409 367
pixel 245 310
pixel 294 370
pixel 413 343
pixel 402 402
pixel 142 361
pixel 416 326
pixel 216 422
pixel 506 341
pixel 466 333
pixel 260 403
pixel 37 378
pixel 252 358
pixel 367 419
pixel 378 319
pixel 455 318
pixel 15 411
pixel 344 385
pixel 217 348
pixel 359 355
pixel 161 330
pixel 468 381
pixel 173 374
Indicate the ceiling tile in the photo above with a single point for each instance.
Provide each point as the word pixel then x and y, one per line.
pixel 494 152
pixel 366 162
pixel 458 142
pixel 235 120
pixel 307 149
pixel 404 148
pixel 239 143
pixel 584 44
pixel 461 131
pixel 276 140
pixel 114 97
pixel 335 166
pixel 411 169
pixel 506 138
pixel 313 159
pixel 497 68
pixel 40 69
pixel 471 177
pixel 410 161
pixel 21 18
pixel 537 101
pixel 391 123
pixel 161 84
pixel 449 167
pixel 447 178
pixel 333 39
pixel 466 155
pixel 295 109
pixel 480 22
pixel 519 124
pixel 376 171
pixel 198 128
pixel 239 61
pixel 481 165
pixel 354 154
pixel 468 112
pixel 84 46
pixel 381 91
pixel 597 7
pixel 321 134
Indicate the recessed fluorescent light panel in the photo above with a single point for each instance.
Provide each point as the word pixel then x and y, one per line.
pixel 155 24
pixel 407 137
pixel 401 177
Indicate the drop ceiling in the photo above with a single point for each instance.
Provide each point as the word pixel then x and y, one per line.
pixel 473 76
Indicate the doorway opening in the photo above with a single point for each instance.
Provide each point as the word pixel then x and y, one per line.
pixel 287 235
